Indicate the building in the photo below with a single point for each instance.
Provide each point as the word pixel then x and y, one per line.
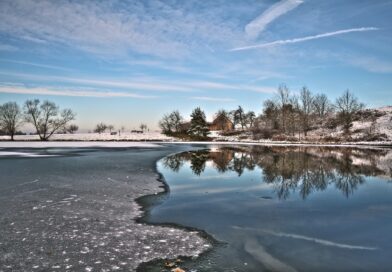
pixel 221 122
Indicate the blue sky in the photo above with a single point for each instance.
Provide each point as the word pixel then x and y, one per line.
pixel 126 62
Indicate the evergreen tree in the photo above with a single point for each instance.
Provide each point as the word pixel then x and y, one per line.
pixel 199 125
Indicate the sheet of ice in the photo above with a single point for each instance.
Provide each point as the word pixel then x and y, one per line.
pixel 123 136
pixel 31 144
pixel 23 154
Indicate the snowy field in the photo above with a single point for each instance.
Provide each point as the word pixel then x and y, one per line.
pixel 73 144
pixel 124 136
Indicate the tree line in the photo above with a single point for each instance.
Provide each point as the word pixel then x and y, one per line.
pixel 292 114
pixel 286 113
pixel 174 124
pixel 46 117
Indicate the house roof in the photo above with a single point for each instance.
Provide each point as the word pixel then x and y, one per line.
pixel 219 117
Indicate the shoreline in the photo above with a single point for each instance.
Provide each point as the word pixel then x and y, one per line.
pixel 157 143
pixel 148 202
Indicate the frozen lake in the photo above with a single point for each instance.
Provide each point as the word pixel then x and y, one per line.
pixel 68 208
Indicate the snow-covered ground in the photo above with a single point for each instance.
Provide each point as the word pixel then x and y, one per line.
pixel 73 144
pixel 360 132
pixel 382 126
pixel 124 136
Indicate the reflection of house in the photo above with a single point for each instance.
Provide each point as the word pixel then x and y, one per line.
pixel 221 158
pixel 221 122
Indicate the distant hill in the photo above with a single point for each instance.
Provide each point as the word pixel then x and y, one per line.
pixel 369 125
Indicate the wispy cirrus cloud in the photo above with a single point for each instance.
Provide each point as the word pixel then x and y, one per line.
pixel 147 84
pixel 304 39
pixel 39 65
pixel 157 28
pixel 255 27
pixel 370 64
pixel 68 92
pixel 155 86
pixel 7 47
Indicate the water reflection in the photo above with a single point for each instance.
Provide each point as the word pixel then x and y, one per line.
pixel 283 208
pixel 289 169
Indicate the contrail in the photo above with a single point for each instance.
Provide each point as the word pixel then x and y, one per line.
pixel 303 39
pixel 256 26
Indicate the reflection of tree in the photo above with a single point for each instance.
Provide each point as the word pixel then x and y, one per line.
pixel 173 162
pixel 347 179
pixel 198 161
pixel 289 169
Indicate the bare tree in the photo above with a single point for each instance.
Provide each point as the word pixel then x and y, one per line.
pixel 321 105
pixel 143 127
pixel 171 122
pixel 283 97
pixel 165 124
pixel 290 111
pixel 250 118
pixel 110 128
pixel 347 106
pixel 72 128
pixel 10 118
pixel 306 104
pixel 46 117
pixel 271 113
pixel 176 120
pixel 101 127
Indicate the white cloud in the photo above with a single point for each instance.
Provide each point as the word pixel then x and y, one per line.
pixel 303 39
pixel 36 64
pixel 146 84
pixel 63 92
pixel 116 28
pixel 212 99
pixel 7 47
pixel 370 64
pixel 255 27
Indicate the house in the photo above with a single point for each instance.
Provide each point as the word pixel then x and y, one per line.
pixel 221 122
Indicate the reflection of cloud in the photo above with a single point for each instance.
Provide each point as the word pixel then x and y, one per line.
pixel 262 256
pixel 307 238
pixel 196 188
pixel 205 177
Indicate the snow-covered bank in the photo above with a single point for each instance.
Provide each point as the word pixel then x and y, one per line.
pixel 123 136
pixel 287 143
pixel 125 144
pixel 51 144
